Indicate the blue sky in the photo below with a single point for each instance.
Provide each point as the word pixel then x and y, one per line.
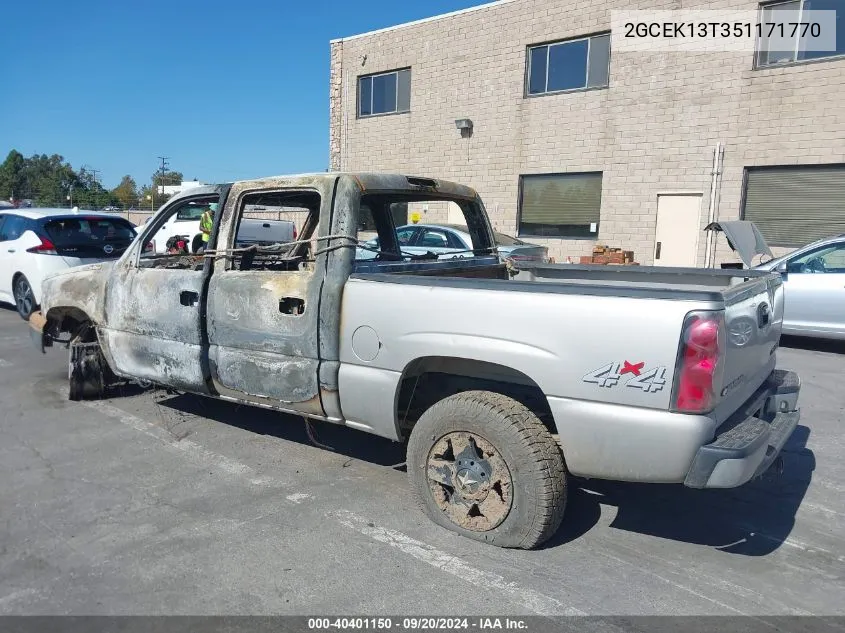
pixel 227 90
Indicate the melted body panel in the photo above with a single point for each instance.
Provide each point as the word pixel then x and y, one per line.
pixel 157 332
pixel 81 288
pixel 254 347
pixel 264 326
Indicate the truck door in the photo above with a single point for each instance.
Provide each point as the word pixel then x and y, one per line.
pixel 263 304
pixel 153 305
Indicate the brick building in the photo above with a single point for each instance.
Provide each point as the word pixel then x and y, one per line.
pixel 574 143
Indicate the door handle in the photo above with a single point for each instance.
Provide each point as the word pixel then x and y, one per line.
pixel 11 250
pixel 657 250
pixel 188 298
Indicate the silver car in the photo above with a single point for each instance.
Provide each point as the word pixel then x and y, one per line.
pixel 814 288
pixel 453 240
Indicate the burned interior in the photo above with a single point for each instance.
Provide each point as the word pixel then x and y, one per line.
pixel 301 208
pixel 180 254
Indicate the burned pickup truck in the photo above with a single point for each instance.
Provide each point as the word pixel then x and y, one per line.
pixel 502 380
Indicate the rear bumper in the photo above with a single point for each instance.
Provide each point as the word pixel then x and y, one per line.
pixel 748 443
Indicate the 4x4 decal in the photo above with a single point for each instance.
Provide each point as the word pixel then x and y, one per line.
pixel 635 375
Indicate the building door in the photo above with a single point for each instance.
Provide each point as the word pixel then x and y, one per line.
pixel 455 215
pixel 678 229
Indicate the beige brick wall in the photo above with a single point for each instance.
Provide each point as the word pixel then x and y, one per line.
pixel 653 130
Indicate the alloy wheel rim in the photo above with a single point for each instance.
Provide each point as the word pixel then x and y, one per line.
pixel 23 297
pixel 469 481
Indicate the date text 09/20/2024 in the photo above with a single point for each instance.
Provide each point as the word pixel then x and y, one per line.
pixel 417 624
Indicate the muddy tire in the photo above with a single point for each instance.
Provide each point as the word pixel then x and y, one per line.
pixel 483 465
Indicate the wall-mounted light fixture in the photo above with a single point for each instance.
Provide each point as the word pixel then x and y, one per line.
pixel 465 126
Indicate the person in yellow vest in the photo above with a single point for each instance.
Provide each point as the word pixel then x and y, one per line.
pixel 206 222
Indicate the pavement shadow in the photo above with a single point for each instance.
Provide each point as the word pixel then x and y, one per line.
pixel 752 520
pixel 291 428
pixel 813 344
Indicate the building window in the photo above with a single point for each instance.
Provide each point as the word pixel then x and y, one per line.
pixel 793 206
pixel 570 65
pixel 385 93
pixel 787 47
pixel 560 205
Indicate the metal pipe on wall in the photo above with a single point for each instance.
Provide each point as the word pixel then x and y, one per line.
pixel 714 177
pixel 719 169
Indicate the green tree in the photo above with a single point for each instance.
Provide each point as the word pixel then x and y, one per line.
pixel 12 176
pixel 150 195
pixel 49 180
pixel 161 178
pixel 91 194
pixel 126 192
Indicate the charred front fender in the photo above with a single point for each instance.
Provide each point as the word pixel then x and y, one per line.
pixel 79 290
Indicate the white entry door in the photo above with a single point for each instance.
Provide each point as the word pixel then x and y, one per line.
pixel 678 229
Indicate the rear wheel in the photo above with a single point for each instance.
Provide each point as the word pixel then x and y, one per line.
pixel 483 465
pixel 24 299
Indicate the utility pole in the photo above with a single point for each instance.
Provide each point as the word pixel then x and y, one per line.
pixel 96 173
pixel 163 170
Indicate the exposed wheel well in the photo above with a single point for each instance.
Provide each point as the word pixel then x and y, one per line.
pixel 428 380
pixel 73 321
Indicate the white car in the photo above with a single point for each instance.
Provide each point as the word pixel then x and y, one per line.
pixel 814 288
pixel 37 242
pixel 449 241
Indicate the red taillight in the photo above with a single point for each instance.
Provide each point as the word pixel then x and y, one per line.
pixel 699 364
pixel 46 247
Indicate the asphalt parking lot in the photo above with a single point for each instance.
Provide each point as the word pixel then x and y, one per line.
pixel 149 503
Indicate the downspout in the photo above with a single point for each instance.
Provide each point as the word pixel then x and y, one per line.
pixel 720 167
pixel 714 176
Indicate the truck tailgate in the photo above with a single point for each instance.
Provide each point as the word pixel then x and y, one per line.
pixel 753 321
